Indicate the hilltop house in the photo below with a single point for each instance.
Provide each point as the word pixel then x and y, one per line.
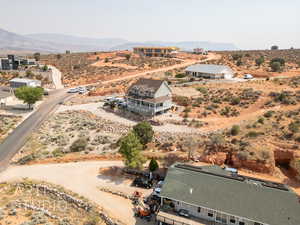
pixel 210 71
pixel 149 97
pixel 155 51
pixel 213 195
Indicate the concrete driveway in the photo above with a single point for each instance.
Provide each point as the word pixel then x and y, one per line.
pixel 83 178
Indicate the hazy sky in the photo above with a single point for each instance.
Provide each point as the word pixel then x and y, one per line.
pixel 249 24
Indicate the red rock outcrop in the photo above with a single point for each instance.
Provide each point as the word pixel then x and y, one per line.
pixel 218 158
pixel 254 165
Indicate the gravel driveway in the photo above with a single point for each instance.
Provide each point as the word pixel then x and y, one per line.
pixel 96 108
pixel 83 178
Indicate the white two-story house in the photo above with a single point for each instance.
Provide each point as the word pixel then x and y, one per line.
pixel 149 97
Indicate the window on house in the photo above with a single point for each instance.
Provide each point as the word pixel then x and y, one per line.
pixel 257 223
pixel 232 220
pixel 210 214
pixel 199 209
pixel 241 223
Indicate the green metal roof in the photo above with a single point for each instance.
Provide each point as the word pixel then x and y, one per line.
pixel 214 188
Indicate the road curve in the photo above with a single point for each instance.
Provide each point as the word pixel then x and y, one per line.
pixel 18 137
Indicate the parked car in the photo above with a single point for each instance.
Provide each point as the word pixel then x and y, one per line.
pixel 184 213
pixel 73 90
pixel 109 99
pixel 142 182
pixel 248 76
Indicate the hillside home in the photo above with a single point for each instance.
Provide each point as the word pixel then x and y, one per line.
pixel 210 71
pixel 149 97
pixel 13 62
pixel 213 195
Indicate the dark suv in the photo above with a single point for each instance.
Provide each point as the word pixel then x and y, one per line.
pixel 142 182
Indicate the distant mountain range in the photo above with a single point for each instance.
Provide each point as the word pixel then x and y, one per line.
pixel 55 43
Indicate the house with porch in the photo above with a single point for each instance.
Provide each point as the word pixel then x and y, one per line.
pixel 149 97
pixel 215 195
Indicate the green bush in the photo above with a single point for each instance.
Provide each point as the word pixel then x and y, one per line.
pixel 92 220
pixel 235 101
pixel 27 158
pixel 239 62
pixel 236 56
pixel 235 130
pixel 259 61
pixel 202 90
pixel 253 134
pixel 294 127
pixel 280 60
pixel 57 152
pixel 79 145
pixel 269 114
pixel 180 75
pixel 261 120
pixel 144 132
pixel 275 66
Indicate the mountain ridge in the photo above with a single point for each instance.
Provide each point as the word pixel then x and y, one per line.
pixel 58 43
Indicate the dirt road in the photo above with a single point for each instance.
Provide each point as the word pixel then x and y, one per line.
pixel 211 56
pixel 56 77
pixel 83 178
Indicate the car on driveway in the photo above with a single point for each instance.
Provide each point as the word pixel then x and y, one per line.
pixel 184 213
pixel 142 182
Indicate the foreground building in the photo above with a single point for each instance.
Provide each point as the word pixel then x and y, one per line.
pixel 210 71
pixel 213 195
pixel 20 82
pixel 155 51
pixel 149 97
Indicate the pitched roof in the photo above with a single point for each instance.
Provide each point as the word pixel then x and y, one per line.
pixel 149 84
pixel 214 188
pixel 23 80
pixel 208 68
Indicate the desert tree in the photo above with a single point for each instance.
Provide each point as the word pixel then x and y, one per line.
pixel 153 165
pixel 191 146
pixel 37 56
pixel 29 95
pixel 275 66
pixel 130 149
pixel 274 47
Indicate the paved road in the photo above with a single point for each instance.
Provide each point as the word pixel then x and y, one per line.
pixel 18 137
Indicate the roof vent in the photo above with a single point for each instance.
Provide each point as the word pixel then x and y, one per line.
pixel 191 190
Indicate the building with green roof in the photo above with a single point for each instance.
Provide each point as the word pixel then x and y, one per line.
pixel 215 195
